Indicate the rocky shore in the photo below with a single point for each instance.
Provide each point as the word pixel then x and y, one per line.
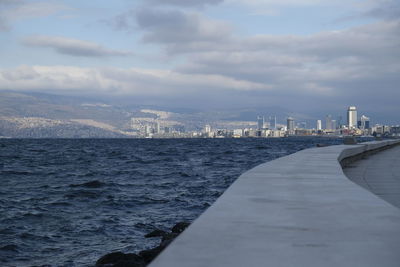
pixel 144 257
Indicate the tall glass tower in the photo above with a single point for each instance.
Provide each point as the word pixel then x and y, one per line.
pixel 260 122
pixel 352 117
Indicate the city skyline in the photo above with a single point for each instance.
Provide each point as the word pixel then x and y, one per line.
pixel 307 57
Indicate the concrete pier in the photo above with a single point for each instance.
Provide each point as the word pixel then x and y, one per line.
pixel 378 173
pixel 298 210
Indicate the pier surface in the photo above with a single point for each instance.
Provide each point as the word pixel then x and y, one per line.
pixel 379 173
pixel 298 210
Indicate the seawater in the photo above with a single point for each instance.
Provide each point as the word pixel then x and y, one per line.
pixel 66 202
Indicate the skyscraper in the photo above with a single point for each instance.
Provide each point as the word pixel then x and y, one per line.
pixel 260 122
pixel 363 123
pixel 272 122
pixel 319 125
pixel 290 125
pixel 333 125
pixel 352 117
pixel 328 121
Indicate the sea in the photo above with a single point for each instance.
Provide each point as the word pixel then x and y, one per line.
pixel 67 202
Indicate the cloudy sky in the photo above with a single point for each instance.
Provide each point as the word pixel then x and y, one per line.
pixel 310 57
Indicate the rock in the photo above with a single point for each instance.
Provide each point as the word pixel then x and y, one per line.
pixel 169 237
pixel 156 233
pixel 119 259
pixel 180 227
pixel 150 254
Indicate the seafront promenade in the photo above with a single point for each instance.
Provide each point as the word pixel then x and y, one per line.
pixel 298 210
pixel 379 173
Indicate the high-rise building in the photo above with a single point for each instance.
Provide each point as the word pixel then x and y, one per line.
pixel 157 127
pixel 290 125
pixel 333 124
pixel 272 122
pixel 207 129
pixel 319 125
pixel 363 123
pixel 352 117
pixel 328 122
pixel 260 122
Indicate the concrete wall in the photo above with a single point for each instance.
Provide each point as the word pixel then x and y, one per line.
pixel 298 210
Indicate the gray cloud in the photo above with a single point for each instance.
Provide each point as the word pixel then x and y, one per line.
pixel 186 3
pixel 72 47
pixel 178 29
pixel 388 10
pixel 359 66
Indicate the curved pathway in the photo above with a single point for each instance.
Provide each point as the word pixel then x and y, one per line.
pixel 298 210
pixel 379 173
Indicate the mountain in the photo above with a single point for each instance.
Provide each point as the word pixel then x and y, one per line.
pixel 39 115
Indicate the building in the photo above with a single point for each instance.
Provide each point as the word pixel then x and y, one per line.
pixel 272 122
pixel 207 129
pixel 328 122
pixel 290 125
pixel 352 117
pixel 333 124
pixel 364 123
pixel 260 122
pixel 157 128
pixel 319 125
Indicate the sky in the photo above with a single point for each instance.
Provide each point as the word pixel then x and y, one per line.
pixel 310 57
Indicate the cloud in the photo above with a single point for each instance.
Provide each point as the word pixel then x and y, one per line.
pixel 116 81
pixel 14 10
pixel 178 29
pixel 329 67
pixel 358 66
pixel 186 3
pixel 72 47
pixel 385 9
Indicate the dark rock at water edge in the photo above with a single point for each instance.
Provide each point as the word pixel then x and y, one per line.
pixel 180 227
pixel 156 233
pixel 119 259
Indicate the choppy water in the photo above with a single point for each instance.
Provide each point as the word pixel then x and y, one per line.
pixel 68 202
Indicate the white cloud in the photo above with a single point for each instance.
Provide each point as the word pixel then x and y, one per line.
pixel 72 47
pixel 110 81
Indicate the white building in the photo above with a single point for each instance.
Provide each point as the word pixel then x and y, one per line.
pixel 319 125
pixel 352 117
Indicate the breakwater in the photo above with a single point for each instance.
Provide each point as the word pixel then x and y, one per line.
pixel 298 210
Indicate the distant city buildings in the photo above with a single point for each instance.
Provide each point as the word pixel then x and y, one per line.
pixel 356 126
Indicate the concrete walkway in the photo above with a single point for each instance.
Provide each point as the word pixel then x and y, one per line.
pixel 379 173
pixel 298 210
